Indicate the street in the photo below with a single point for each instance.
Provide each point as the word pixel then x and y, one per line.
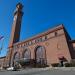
pixel 40 72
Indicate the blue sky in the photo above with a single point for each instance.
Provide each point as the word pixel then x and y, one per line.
pixel 39 16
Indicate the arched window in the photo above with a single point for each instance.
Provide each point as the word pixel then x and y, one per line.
pixel 16 56
pixel 27 54
pixel 40 55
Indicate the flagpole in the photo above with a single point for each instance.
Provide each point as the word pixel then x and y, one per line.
pixel 2 45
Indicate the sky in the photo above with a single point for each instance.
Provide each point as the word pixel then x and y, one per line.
pixel 39 16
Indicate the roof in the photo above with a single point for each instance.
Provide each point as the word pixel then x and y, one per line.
pixel 72 41
pixel 2 57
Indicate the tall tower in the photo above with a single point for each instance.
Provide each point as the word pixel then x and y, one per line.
pixel 15 34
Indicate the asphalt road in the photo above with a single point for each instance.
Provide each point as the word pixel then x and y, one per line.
pixel 39 72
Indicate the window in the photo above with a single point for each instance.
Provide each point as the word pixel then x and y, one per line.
pixel 44 38
pixel 26 54
pixel 30 42
pixel 55 33
pixel 16 56
pixel 40 55
pixel 33 41
pixel 38 40
pixel 26 43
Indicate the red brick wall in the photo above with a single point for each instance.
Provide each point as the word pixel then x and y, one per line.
pixel 56 46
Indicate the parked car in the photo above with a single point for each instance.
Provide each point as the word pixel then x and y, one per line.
pixel 10 68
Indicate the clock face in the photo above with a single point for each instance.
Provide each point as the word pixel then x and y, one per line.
pixel 15 18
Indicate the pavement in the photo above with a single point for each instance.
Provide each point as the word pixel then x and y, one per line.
pixel 41 71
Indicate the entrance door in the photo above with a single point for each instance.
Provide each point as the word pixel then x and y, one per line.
pixel 16 59
pixel 27 55
pixel 40 55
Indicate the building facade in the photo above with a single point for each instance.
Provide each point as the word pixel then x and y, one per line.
pixel 2 62
pixel 47 48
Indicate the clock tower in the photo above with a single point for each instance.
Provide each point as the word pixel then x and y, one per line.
pixel 15 33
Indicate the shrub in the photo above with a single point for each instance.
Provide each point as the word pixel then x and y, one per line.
pixel 55 64
pixel 70 64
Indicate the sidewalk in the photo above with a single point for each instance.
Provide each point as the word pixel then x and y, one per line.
pixel 44 69
pixel 49 68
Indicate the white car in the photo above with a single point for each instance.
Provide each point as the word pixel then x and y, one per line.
pixel 10 68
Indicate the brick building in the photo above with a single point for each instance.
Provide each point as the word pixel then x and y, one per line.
pixel 50 47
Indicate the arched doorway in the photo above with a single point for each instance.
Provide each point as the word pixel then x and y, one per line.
pixel 27 54
pixel 40 55
pixel 16 58
pixel 26 57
